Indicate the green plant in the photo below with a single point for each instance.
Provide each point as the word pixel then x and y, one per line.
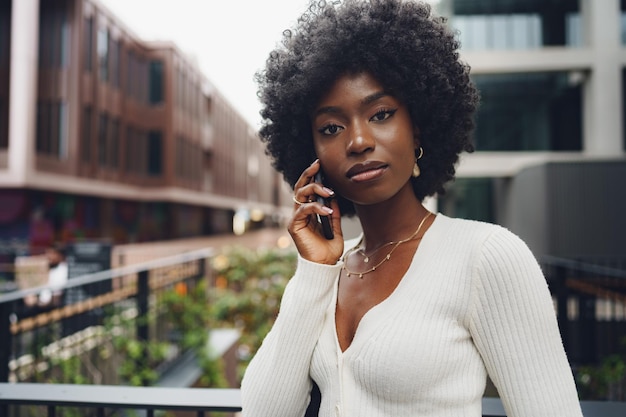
pixel 606 380
pixel 186 309
pixel 69 371
pixel 140 359
pixel 248 287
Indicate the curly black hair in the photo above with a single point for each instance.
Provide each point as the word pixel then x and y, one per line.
pixel 404 46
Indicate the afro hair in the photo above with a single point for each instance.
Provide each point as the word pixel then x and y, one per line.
pixel 404 46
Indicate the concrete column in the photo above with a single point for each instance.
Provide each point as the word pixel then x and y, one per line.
pixel 602 108
pixel 23 89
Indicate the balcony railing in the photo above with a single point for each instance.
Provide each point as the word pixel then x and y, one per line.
pixel 100 400
pixel 589 298
pixel 103 399
pixel 124 302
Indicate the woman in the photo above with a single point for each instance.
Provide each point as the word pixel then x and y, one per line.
pixel 410 318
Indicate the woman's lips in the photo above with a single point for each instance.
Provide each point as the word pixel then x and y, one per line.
pixel 368 175
pixel 366 171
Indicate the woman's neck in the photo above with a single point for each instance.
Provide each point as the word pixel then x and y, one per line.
pixel 392 220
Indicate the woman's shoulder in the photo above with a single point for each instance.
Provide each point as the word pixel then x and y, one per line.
pixel 478 234
pixel 471 228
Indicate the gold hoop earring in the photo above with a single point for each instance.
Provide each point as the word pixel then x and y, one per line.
pixel 416 168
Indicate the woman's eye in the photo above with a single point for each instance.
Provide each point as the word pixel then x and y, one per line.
pixel 330 129
pixel 382 115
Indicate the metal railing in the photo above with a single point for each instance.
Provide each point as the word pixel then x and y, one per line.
pixel 102 399
pixel 130 291
pixel 576 286
pixel 590 298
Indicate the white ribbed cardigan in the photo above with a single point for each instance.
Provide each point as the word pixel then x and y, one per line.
pixel 473 302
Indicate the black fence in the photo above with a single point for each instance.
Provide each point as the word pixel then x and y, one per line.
pixel 590 299
pixel 126 302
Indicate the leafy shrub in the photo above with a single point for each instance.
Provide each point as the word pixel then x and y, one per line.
pixel 248 288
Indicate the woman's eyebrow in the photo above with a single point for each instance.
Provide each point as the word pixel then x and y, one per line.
pixel 365 101
pixel 375 96
pixel 327 110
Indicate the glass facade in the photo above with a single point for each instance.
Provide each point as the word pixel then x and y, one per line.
pixel 516 24
pixel 5 54
pixel 114 62
pixel 52 129
pixel 469 198
pixel 529 112
pixel 103 54
pixel 103 135
pixel 156 82
pixel 86 134
pixel 88 47
pixel 54 35
pixel 155 153
pixel 624 107
pixel 5 34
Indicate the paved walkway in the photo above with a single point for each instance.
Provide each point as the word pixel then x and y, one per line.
pixel 141 252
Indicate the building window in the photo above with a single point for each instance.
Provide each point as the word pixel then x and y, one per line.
pixel 4 123
pixel 63 134
pixel 103 131
pixel 155 153
pixel 529 112
pixel 130 79
pixel 130 151
pixel 103 54
pixel 624 104
pixel 5 34
pixel 156 82
pixel 499 31
pixel 491 24
pixel 5 51
pixel 180 77
pixel 469 198
pixel 86 134
pixel 54 36
pixel 52 129
pixel 88 39
pixel 115 143
pixel 114 54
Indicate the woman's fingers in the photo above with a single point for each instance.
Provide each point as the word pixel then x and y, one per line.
pixel 304 227
pixel 306 190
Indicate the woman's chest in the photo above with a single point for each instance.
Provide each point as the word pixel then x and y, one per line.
pixel 416 342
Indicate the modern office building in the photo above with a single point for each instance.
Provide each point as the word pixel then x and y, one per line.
pixel 104 135
pixel 550 135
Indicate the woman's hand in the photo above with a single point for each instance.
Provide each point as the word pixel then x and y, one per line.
pixel 304 228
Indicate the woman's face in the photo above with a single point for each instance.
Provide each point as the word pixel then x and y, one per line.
pixel 364 139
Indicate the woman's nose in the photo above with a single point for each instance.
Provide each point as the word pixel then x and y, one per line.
pixel 360 140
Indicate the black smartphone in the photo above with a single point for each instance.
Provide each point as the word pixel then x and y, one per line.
pixel 324 221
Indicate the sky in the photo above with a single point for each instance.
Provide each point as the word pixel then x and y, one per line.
pixel 230 39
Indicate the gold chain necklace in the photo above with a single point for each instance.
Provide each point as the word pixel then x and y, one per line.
pixel 387 257
pixel 366 257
